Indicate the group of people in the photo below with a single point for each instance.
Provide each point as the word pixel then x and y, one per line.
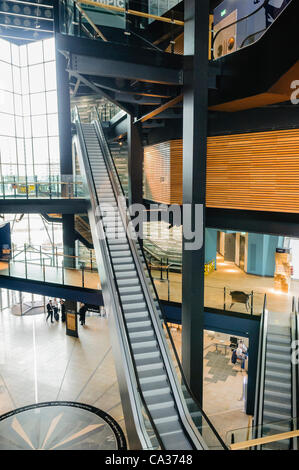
pixel 53 307
pixel 241 353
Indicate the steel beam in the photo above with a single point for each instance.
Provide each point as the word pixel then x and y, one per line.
pixel 40 206
pixel 104 67
pixel 69 240
pixel 64 116
pixel 135 161
pixel 196 42
pixel 98 91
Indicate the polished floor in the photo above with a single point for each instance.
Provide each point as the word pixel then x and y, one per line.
pixel 39 363
pixel 227 278
pixel 223 399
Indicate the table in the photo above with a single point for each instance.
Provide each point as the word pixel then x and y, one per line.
pixel 221 343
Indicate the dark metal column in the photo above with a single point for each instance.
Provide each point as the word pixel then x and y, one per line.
pixel 135 162
pixel 64 115
pixel 196 41
pixel 69 239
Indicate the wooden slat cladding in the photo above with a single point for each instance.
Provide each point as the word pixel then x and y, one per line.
pixel 176 172
pixel 156 169
pixel 163 166
pixel 257 171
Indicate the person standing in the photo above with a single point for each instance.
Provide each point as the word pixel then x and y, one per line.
pixel 82 313
pixel 55 309
pixel 50 311
pixel 62 310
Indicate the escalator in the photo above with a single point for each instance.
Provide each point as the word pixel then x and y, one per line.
pixel 277 381
pixel 155 396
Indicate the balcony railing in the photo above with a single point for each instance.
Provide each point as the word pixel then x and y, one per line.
pixel 35 187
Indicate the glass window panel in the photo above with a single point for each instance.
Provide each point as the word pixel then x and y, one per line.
pixel 22 170
pixel 49 49
pixel 18 105
pixel 8 170
pixel 51 97
pixel 5 53
pixel 19 126
pixel 23 56
pixel 40 150
pixel 8 150
pixel 6 103
pixel 38 104
pixel 25 82
pixel 27 127
pixel 26 105
pixel 52 124
pixel 35 53
pixel 30 170
pixel 36 78
pixel 5 76
pixel 7 124
pixel 50 74
pixel 54 149
pixel 39 126
pixel 28 151
pixel 20 151
pixel 55 169
pixel 15 54
pixel 42 171
pixel 16 80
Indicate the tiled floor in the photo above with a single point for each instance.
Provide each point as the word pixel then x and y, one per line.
pixel 38 363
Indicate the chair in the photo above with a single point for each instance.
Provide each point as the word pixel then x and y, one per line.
pixel 233 343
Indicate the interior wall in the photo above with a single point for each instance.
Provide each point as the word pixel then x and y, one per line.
pixel 230 247
pixel 261 253
pixel 237 250
pixel 210 245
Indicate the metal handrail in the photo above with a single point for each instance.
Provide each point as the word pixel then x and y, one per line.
pixel 114 178
pixel 119 301
pixel 260 381
pixel 162 317
pixel 294 370
pixel 236 22
pixel 252 35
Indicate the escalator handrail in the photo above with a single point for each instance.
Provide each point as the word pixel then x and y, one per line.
pixel 250 35
pixel 260 381
pixel 148 298
pixel 238 21
pixel 111 161
pixel 294 372
pixel 296 378
pixel 120 304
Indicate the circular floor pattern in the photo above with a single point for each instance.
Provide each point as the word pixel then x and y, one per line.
pixel 60 425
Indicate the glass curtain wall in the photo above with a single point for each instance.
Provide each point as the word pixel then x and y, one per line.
pixel 29 140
